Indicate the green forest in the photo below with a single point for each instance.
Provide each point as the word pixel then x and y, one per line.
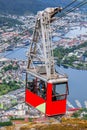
pixel 7 87
pixel 60 52
pixel 9 22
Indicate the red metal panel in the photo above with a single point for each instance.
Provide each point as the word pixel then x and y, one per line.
pixel 33 99
pixel 54 107
pixel 49 92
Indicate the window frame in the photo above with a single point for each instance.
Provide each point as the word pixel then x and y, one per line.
pixel 36 90
pixel 60 96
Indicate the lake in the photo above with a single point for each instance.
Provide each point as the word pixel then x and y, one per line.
pixel 77 78
pixel 77 85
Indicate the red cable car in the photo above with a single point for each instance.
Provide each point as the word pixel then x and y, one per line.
pixel 47 96
pixel 46 90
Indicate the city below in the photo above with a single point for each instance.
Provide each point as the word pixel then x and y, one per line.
pixel 15 39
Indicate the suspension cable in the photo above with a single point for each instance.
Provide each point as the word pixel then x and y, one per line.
pixel 55 1
pixel 69 4
pixel 73 8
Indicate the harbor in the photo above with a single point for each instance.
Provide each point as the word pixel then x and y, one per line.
pixel 76 77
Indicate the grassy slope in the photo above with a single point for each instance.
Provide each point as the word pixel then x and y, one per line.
pixel 66 124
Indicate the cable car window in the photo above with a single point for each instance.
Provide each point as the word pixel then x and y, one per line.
pixel 36 86
pixel 42 89
pixel 59 91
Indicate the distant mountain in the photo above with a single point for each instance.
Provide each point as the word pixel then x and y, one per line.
pixel 28 6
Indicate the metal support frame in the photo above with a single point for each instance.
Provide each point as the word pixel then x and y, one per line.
pixel 40 48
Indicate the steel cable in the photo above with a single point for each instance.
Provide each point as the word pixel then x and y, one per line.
pixel 73 8
pixel 70 4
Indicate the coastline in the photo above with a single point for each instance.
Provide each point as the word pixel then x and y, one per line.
pixel 73 67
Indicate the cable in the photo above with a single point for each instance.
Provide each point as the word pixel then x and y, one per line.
pixel 74 1
pixel 71 10
pixel 74 8
pixel 55 1
pixel 79 5
pixel 69 4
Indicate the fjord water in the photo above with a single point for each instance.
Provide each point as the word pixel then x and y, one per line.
pixel 77 78
pixel 77 85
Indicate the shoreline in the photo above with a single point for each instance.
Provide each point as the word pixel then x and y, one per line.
pixel 72 67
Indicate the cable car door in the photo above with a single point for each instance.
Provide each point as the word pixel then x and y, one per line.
pixel 56 98
pixel 34 95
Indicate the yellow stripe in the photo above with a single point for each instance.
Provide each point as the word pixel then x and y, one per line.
pixel 41 107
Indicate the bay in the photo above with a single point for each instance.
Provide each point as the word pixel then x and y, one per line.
pixel 16 53
pixel 77 85
pixel 77 78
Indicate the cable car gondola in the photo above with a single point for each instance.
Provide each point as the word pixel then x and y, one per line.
pixel 46 90
pixel 48 96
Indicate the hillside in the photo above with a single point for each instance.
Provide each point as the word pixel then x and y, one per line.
pixel 66 124
pixel 21 7
pixel 27 6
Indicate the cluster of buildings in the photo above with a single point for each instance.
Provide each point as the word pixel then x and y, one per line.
pixel 7 101
pixel 12 104
pixel 15 97
pixel 18 35
pixel 14 71
pixel 70 30
pixel 67 32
